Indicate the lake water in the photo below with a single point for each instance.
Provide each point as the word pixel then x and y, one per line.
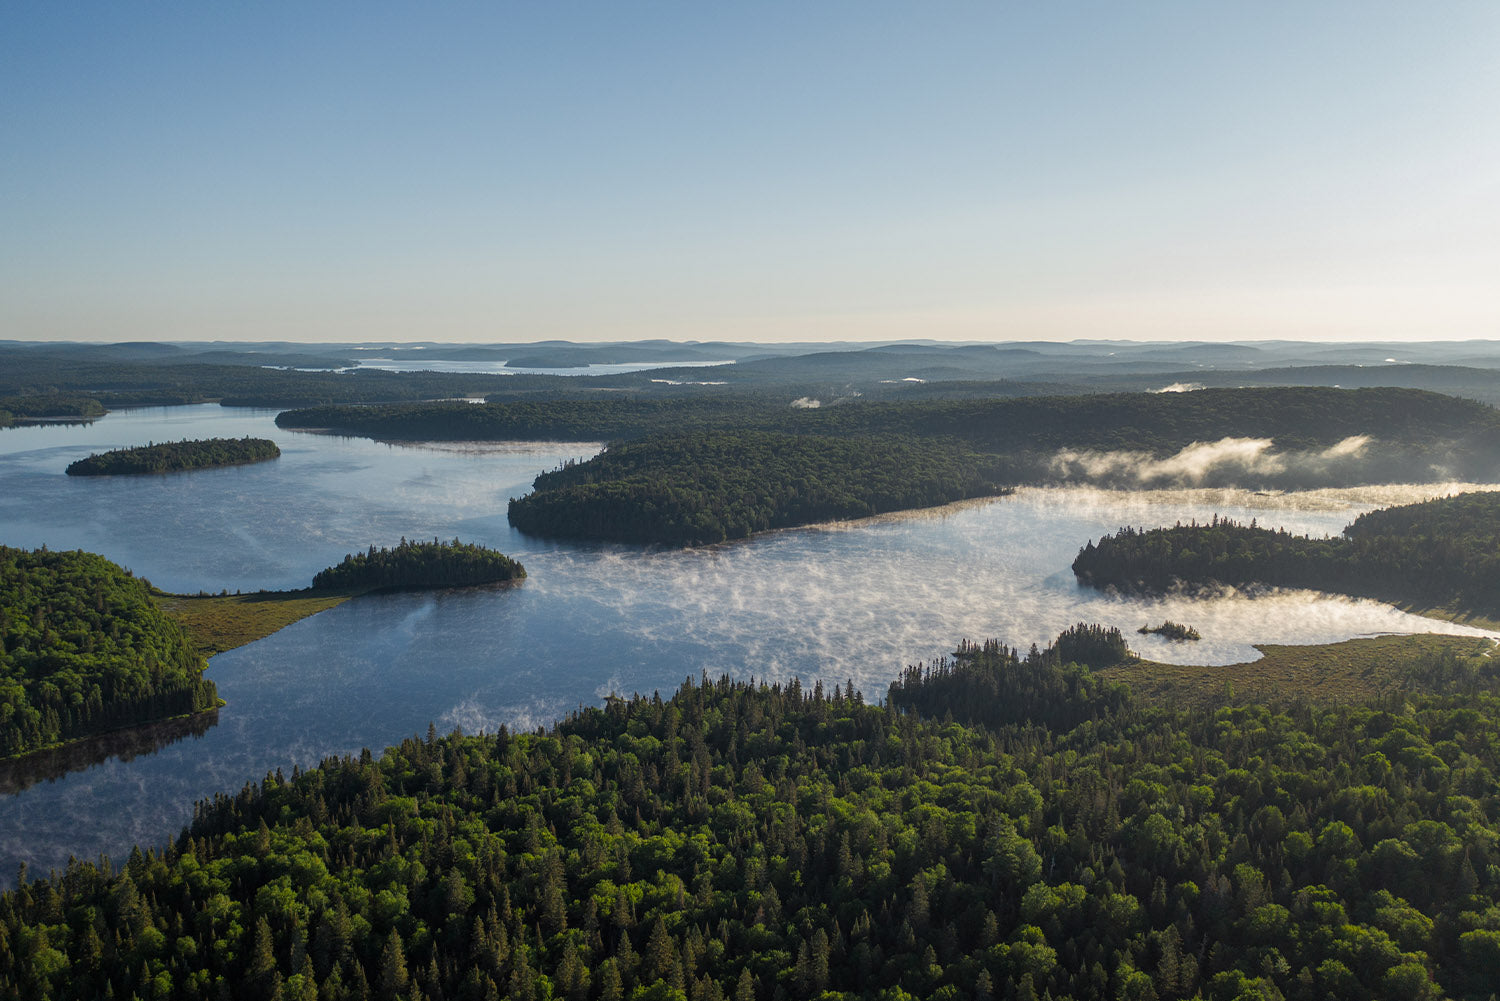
pixel 854 601
pixel 410 363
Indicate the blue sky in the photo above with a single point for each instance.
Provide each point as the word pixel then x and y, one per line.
pixel 767 171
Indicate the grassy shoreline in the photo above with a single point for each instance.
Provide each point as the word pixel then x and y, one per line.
pixel 1348 671
pixel 220 622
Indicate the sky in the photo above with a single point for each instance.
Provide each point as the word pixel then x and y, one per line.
pixel 766 171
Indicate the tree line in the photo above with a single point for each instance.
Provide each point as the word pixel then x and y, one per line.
pixel 84 649
pixel 1296 417
pixel 1443 553
pixel 757 842
pixel 48 406
pixel 175 456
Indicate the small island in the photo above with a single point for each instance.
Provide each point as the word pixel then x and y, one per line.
pixel 420 565
pixel 171 457
pixel 1171 630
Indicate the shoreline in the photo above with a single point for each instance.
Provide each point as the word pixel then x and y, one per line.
pixel 1346 671
pixel 124 730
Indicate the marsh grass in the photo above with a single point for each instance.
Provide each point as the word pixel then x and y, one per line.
pixel 220 622
pixel 1355 670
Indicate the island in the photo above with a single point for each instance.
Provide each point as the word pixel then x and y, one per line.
pixel 1438 556
pixel 170 457
pixel 86 650
pixel 420 565
pixel 1002 825
pixel 1171 630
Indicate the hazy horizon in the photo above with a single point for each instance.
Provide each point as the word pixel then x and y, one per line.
pixel 867 172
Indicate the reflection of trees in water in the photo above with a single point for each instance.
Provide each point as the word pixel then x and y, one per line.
pixel 17 774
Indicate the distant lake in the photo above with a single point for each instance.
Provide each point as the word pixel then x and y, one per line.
pixel 412 363
pixel 853 602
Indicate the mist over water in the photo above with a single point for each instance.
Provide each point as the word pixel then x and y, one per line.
pixel 854 601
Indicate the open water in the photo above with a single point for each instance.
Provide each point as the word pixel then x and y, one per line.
pixel 855 601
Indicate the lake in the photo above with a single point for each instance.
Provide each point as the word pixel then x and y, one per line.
pixel 855 601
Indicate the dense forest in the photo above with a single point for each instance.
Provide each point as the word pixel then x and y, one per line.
pixel 419 564
pixel 48 406
pixel 574 419
pixel 693 484
pixel 764 843
pixel 175 456
pixel 692 489
pixel 1299 417
pixel 84 649
pixel 1441 553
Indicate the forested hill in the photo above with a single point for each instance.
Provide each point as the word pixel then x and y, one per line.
pixel 683 472
pixel 84 649
pixel 1297 417
pixel 709 487
pixel 739 841
pixel 1440 553
pixel 420 564
pixel 176 456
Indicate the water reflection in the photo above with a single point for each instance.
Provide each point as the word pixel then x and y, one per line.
pixel 125 745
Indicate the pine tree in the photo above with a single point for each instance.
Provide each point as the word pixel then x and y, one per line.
pixel 659 957
pixel 393 975
pixel 610 988
pixel 262 958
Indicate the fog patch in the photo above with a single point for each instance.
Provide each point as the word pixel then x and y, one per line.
pixel 1228 461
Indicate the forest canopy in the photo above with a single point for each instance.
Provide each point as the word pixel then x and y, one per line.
pixel 419 565
pixel 1159 423
pixel 709 487
pixel 764 842
pixel 85 649
pixel 169 457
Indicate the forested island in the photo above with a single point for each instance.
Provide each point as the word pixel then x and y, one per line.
pixel 1441 554
pixel 756 842
pixel 170 457
pixel 85 649
pixel 708 487
pixel 419 565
